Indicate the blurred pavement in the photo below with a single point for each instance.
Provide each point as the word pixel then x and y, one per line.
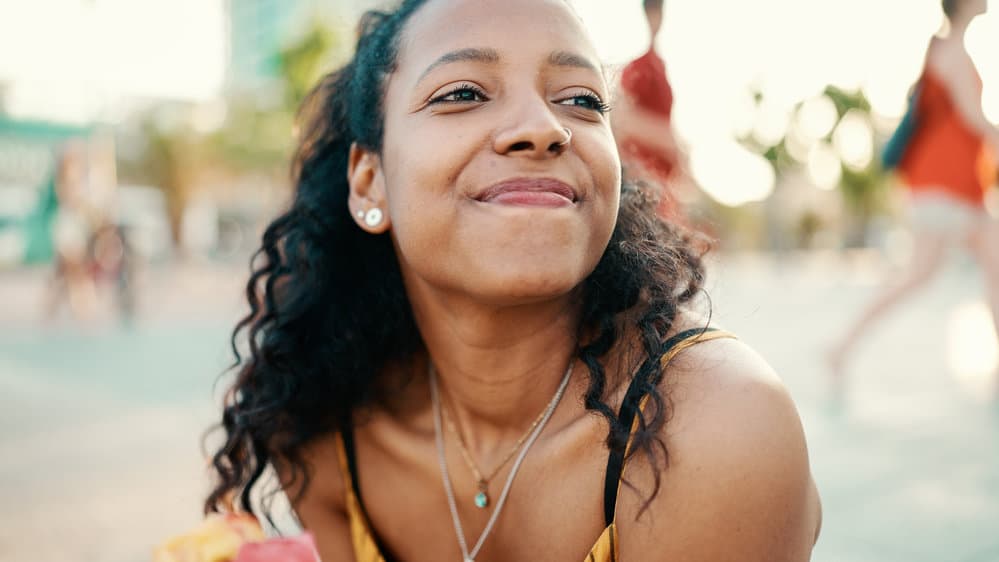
pixel 99 430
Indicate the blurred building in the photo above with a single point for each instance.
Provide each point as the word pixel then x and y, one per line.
pixel 256 33
pixel 27 188
pixel 260 29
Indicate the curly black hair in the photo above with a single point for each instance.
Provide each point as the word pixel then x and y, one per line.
pixel 328 310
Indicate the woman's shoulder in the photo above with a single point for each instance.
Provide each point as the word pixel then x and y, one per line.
pixel 720 361
pixel 377 430
pixel 723 389
pixel 321 506
pixel 948 57
pixel 722 379
pixel 738 483
pixel 323 489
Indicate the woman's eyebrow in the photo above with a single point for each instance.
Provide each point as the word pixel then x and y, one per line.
pixel 472 54
pixel 492 56
pixel 570 59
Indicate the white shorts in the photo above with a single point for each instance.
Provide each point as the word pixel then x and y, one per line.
pixel 69 232
pixel 939 213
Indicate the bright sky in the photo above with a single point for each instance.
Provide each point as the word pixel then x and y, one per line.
pixel 75 59
pixel 69 51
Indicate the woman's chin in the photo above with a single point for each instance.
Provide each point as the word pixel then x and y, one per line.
pixel 525 287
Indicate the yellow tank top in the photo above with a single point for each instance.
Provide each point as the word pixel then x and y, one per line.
pixel 605 549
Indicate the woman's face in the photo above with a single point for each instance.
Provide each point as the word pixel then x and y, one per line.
pixel 500 174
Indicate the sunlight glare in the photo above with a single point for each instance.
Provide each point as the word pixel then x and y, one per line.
pixel 745 176
pixel 816 118
pixel 854 140
pixel 972 352
pixel 824 166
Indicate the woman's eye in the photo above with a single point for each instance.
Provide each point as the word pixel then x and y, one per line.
pixel 461 94
pixel 586 101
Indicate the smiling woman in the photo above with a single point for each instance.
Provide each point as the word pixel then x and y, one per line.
pixel 466 333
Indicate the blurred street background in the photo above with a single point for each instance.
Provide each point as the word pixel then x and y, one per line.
pixel 149 141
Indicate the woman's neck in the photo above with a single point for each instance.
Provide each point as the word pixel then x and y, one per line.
pixel 955 29
pixel 497 367
pixel 652 41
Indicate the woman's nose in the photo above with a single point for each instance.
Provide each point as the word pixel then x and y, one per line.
pixel 534 132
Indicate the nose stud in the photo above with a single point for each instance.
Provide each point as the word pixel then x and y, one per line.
pixel 564 143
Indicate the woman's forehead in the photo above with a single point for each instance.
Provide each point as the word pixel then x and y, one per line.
pixel 518 30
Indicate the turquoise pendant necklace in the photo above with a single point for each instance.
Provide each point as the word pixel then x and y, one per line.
pixel 481 499
pixel 538 427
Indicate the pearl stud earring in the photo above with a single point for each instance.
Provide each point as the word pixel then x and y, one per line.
pixel 373 217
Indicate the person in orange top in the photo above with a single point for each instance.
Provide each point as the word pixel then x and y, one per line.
pixel 948 165
pixel 642 120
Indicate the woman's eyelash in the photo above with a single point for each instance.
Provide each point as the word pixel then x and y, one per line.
pixel 465 89
pixel 468 93
pixel 592 102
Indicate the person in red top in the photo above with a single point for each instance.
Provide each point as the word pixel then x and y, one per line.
pixel 642 120
pixel 948 165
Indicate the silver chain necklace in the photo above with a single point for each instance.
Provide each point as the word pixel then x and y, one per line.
pixel 469 556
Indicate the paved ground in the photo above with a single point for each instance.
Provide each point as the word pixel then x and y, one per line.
pixel 99 429
pixel 908 461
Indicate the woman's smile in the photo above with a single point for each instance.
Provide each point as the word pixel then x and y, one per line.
pixel 529 192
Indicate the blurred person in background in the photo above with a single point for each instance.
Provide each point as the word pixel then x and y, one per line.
pixel 461 254
pixel 948 164
pixel 91 251
pixel 642 123
pixel 72 280
pixel 112 260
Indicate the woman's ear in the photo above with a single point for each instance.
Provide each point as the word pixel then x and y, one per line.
pixel 367 200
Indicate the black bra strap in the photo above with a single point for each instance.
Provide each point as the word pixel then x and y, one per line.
pixel 626 416
pixel 347 433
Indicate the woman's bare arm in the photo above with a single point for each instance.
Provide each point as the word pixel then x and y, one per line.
pixel 951 63
pixel 738 486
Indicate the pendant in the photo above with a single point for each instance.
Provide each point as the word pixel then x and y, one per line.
pixel 482 499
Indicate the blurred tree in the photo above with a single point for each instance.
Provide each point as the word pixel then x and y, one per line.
pixel 255 137
pixel 257 134
pixel 169 163
pixel 776 228
pixel 304 62
pixel 864 191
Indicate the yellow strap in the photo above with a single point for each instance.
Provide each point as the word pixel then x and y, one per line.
pixel 361 535
pixel 664 362
pixel 693 340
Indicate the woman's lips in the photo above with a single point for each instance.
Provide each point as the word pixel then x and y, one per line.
pixel 530 192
